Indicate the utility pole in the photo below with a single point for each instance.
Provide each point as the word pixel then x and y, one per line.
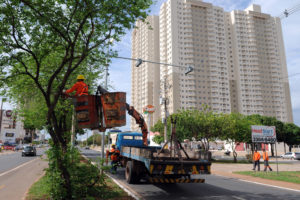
pixel 3 99
pixel 165 99
pixel 103 133
pixel 73 130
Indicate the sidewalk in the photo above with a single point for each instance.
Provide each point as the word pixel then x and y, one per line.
pixel 228 169
pixel 3 152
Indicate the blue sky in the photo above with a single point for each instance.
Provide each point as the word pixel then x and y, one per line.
pixel 120 70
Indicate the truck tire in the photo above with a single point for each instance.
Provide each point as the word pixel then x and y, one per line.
pixel 129 173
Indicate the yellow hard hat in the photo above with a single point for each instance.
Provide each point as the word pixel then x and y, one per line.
pixel 113 145
pixel 80 77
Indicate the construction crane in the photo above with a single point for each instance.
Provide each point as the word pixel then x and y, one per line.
pixel 288 12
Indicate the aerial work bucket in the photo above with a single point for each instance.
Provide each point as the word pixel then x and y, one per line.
pixel 114 109
pixel 86 112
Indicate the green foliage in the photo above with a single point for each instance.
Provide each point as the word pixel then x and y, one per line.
pixel 287 176
pixel 44 44
pixel 97 139
pixel 206 126
pixel 85 178
pixel 40 189
pixel 159 127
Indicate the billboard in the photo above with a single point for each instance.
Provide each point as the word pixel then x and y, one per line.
pixel 263 134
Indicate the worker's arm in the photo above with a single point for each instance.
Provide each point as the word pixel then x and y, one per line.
pixel 73 88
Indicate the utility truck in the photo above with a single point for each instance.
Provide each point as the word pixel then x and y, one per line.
pixel 156 164
pixel 167 164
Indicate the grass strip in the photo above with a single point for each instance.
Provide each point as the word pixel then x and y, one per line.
pixel 287 176
pixel 40 190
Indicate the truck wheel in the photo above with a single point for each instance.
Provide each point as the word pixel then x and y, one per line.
pixel 129 173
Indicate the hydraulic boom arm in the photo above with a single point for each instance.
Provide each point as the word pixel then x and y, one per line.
pixel 140 121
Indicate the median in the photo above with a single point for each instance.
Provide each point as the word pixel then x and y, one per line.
pixel 287 176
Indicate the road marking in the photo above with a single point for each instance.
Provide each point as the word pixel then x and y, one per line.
pixel 239 198
pixel 270 185
pixel 4 173
pixel 283 188
pixel 2 186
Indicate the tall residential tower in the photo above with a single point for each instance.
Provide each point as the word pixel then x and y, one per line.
pixel 238 58
pixel 145 78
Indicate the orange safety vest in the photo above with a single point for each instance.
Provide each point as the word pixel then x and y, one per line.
pixel 114 154
pixel 80 87
pixel 256 156
pixel 265 156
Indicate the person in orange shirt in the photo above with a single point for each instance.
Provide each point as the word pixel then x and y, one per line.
pixel 266 160
pixel 80 87
pixel 114 157
pixel 256 158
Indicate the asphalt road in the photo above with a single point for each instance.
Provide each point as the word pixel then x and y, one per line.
pixel 216 187
pixel 12 160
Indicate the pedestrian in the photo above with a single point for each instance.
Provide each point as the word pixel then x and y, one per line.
pixel 80 87
pixel 256 158
pixel 266 160
pixel 114 157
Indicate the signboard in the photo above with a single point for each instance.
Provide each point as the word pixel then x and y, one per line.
pixel 149 109
pixel 263 134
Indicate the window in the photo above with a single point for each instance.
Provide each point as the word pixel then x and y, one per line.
pixel 138 137
pixel 128 137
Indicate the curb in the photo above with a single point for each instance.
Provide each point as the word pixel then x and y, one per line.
pixel 121 185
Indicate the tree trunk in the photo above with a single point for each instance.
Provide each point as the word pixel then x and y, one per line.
pixel 284 147
pixel 65 173
pixel 272 150
pixel 234 156
pixel 290 148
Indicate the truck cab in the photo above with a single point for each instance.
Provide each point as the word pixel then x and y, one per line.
pixel 132 139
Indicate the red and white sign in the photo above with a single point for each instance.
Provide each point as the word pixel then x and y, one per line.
pixel 263 134
pixel 149 109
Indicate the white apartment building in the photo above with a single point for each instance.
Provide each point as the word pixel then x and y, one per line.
pixel 238 58
pixel 145 78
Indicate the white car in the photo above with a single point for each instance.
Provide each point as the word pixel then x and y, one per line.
pixel 291 155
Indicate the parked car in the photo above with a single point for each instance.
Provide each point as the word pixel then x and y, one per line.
pixel 291 155
pixel 29 151
pixel 19 147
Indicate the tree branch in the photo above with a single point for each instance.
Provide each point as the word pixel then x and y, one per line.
pixel 66 38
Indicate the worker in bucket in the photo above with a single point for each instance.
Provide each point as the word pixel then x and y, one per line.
pixel 80 87
pixel 114 154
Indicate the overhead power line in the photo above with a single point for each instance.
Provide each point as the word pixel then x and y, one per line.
pixel 287 12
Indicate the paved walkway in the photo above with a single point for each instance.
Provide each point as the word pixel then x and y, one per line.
pixel 15 183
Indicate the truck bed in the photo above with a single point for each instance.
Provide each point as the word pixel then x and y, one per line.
pixel 162 168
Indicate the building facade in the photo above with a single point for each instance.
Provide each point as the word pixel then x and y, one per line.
pixel 238 58
pixel 145 79
pixel 11 129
